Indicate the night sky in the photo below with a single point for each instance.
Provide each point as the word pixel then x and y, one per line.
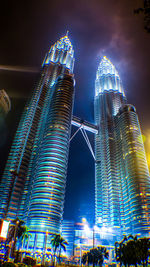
pixel 96 28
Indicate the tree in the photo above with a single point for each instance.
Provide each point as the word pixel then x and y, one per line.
pixel 16 231
pixel 143 250
pixel 125 250
pixel 146 12
pixel 58 243
pixel 119 251
pixel 29 261
pixel 132 251
pixel 104 255
pixel 25 234
pixel 87 258
pixel 95 256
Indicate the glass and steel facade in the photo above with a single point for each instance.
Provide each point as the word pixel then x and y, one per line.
pixel 33 183
pixel 68 233
pixel 46 196
pixel 134 173
pixel 34 180
pixel 122 181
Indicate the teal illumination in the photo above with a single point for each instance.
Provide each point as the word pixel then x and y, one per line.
pixel 107 78
pixel 122 182
pixel 33 183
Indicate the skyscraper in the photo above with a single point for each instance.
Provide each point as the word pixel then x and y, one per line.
pixel 122 190
pixel 35 175
pixel 135 180
pixel 33 184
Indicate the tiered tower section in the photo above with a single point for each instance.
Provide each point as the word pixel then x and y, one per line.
pixel 122 189
pixel 32 184
pixel 109 97
pixel 46 196
pixel 134 173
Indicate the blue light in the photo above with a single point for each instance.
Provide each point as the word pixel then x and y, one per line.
pixel 62 53
pixel 107 78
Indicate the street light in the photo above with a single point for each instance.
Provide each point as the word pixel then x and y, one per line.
pixel 95 230
pixel 80 253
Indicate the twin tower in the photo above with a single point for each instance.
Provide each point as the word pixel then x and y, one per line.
pixel 34 180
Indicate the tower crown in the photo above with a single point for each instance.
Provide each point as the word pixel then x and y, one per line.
pixel 62 53
pixel 64 44
pixel 106 67
pixel 107 78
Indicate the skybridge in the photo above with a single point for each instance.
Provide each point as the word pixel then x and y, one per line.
pixel 84 126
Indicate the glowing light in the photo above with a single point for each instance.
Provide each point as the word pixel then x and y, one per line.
pixel 99 220
pixel 109 229
pixel 86 229
pixel 148 159
pixel 61 52
pixel 103 229
pixel 143 138
pixel 107 78
pixel 4 229
pixel 18 68
pixel 96 228
pixel 84 220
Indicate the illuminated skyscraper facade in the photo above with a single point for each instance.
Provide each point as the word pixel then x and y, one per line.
pixel 33 184
pixel 135 180
pixel 122 189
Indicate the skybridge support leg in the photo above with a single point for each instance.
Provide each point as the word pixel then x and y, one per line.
pixel 83 127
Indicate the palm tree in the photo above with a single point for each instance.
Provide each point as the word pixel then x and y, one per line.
pixel 58 243
pixel 119 250
pixel 87 258
pixel 143 246
pixel 127 251
pixel 103 254
pixel 95 256
pixel 24 238
pixel 16 231
pixel 25 235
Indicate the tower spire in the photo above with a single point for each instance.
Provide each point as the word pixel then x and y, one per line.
pixel 107 78
pixel 67 33
pixel 66 57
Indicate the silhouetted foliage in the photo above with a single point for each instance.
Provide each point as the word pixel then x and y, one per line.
pixel 143 250
pixel 20 264
pixel 132 251
pixel 17 230
pixel 95 256
pixel 146 12
pixel 8 264
pixel 29 261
